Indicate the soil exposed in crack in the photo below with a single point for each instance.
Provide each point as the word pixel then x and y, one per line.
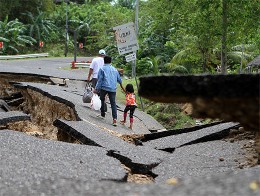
pixel 133 139
pixel 138 178
pixel 5 79
pixel 44 111
pixel 249 141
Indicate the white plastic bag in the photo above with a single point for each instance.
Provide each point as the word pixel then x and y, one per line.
pixel 96 102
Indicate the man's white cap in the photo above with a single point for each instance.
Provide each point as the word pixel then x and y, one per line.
pixel 103 52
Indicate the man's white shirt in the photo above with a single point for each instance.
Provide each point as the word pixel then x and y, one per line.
pixel 96 64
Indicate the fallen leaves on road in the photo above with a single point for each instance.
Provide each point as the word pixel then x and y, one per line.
pixel 255 185
pixel 172 181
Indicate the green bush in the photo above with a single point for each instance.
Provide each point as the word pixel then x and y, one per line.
pixel 169 115
pixel 167 120
pixel 57 51
pixel 183 120
pixel 143 66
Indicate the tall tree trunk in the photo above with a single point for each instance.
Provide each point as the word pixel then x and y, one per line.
pixel 204 61
pixel 242 58
pixel 224 37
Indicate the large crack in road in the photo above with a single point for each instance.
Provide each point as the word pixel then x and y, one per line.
pixel 55 120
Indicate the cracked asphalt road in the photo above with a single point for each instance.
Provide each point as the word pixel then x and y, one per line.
pixel 31 166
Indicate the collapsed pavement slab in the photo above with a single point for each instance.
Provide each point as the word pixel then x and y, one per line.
pixel 138 157
pixel 84 111
pixel 52 91
pixel 4 107
pixel 201 159
pixel 232 97
pixel 12 116
pixel 161 134
pixel 170 143
pixel 27 159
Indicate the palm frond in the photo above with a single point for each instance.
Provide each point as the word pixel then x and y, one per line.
pixel 179 69
pixel 181 56
pixel 245 47
pixel 13 49
pixel 236 56
pixel 4 39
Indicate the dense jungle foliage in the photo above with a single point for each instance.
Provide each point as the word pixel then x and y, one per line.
pixel 175 36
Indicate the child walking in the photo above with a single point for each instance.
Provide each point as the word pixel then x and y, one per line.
pixel 130 104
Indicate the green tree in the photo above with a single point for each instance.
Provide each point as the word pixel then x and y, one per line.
pixel 155 62
pixel 39 27
pixel 126 3
pixel 94 22
pixel 14 8
pixel 6 8
pixel 224 37
pixel 13 34
pixel 106 16
pixel 154 27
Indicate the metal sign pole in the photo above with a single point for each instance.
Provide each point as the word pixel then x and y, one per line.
pixel 136 17
pixel 75 45
pixel 66 28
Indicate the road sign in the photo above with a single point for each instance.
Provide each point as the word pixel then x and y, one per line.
pixel 80 45
pixel 126 38
pixel 130 57
pixel 1 45
pixel 41 44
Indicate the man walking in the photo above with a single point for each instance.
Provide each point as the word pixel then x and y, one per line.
pixel 94 67
pixel 108 77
